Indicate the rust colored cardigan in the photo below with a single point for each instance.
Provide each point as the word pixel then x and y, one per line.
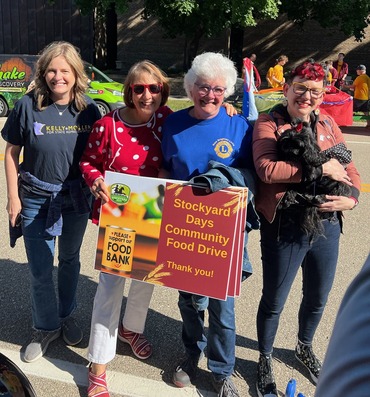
pixel 274 175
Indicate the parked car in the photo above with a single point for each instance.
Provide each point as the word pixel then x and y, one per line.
pixel 17 71
pixel 13 382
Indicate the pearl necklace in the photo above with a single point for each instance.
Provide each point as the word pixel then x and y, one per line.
pixel 60 111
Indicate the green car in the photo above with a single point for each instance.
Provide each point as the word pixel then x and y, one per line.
pixel 107 94
pixel 16 74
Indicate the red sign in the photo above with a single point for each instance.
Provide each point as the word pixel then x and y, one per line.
pixel 173 234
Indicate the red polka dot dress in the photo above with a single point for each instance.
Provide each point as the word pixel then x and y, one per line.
pixel 115 145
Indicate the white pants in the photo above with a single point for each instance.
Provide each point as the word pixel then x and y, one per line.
pixel 106 313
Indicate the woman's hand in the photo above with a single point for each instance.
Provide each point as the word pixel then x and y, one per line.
pixel 11 160
pixel 337 203
pixel 99 190
pixel 230 110
pixel 14 207
pixel 335 170
pixel 163 173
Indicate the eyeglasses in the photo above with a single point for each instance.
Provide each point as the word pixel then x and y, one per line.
pixel 153 88
pixel 300 89
pixel 204 89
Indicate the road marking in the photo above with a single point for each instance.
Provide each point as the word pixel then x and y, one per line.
pixel 365 187
pixel 119 383
pixel 358 142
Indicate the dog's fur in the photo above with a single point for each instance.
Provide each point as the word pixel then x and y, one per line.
pixel 300 146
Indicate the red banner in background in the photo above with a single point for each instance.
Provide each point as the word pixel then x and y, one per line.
pixel 338 105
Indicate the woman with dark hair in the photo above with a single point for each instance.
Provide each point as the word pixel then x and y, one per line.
pixel 342 70
pixel 285 246
pixel 46 192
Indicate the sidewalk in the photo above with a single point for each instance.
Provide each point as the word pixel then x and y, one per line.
pixel 63 371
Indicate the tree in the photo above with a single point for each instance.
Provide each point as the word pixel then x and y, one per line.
pixel 195 19
pixel 350 16
pixel 105 27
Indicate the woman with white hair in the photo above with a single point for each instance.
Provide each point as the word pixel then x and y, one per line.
pixel 191 138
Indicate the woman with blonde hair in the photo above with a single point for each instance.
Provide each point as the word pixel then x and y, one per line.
pixel 46 193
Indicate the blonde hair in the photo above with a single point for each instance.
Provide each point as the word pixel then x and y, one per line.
pixel 73 58
pixel 134 75
pixel 282 58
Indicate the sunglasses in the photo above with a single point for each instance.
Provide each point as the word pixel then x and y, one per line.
pixel 153 88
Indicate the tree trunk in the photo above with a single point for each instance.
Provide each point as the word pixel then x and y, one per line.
pixel 191 47
pixel 100 39
pixel 236 46
pixel 111 29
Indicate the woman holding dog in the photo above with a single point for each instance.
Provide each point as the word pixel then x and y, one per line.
pixel 285 246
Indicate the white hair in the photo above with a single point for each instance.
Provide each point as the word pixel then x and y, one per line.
pixel 210 66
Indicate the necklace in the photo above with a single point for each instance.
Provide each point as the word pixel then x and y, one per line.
pixel 60 111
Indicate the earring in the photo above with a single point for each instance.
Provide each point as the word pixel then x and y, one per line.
pixel 284 102
pixel 317 111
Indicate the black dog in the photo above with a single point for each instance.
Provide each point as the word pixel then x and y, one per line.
pixel 298 144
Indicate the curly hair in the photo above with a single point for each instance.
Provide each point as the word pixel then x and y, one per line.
pixel 73 58
pixel 307 70
pixel 134 75
pixel 211 65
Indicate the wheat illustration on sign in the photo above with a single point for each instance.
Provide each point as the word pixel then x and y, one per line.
pixel 177 187
pixel 156 275
pixel 236 204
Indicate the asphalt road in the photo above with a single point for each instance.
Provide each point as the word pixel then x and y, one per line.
pixel 62 372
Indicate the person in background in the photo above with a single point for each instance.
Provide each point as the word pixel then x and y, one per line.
pixel 275 75
pixel 191 138
pixel 285 246
pixel 361 95
pixel 333 72
pixel 251 77
pixel 255 76
pixel 46 193
pixel 345 370
pixel 342 70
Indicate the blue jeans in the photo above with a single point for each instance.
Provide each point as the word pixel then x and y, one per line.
pixel 47 309
pixel 285 248
pixel 221 333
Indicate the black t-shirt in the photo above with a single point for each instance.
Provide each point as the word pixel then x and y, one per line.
pixel 52 142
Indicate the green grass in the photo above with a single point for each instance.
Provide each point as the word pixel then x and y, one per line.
pixel 178 104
